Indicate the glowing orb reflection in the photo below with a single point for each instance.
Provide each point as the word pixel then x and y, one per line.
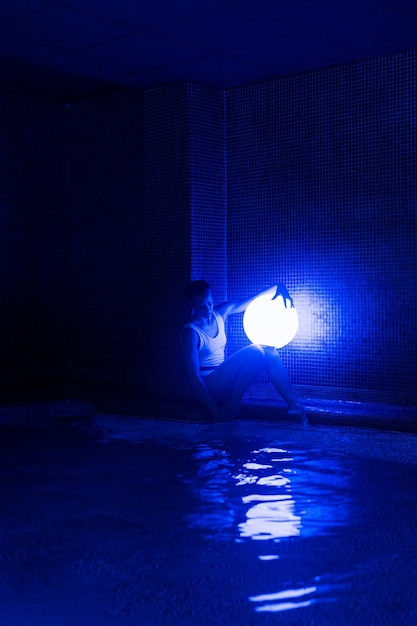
pixel 269 323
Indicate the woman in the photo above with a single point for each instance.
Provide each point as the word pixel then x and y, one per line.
pixel 218 382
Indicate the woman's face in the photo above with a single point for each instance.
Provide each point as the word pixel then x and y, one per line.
pixel 203 306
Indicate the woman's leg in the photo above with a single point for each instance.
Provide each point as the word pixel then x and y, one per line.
pixel 229 381
pixel 278 376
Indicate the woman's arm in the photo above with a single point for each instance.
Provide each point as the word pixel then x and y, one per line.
pixel 189 342
pixel 229 308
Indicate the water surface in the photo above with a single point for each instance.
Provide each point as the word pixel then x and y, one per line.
pixel 143 522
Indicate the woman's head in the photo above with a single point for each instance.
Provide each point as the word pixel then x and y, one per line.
pixel 198 296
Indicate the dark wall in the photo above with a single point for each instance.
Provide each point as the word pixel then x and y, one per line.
pixel 110 206
pixel 130 236
pixel 34 304
pixel 322 195
pixel 148 213
pixel 108 239
pixel 207 175
pixel 168 188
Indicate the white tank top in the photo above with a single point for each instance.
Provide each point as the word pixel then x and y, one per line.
pixel 210 349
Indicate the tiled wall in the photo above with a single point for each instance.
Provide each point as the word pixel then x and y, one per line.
pixel 168 239
pixel 34 266
pixel 322 194
pixel 207 175
pixel 108 239
pixel 140 165
pixel 309 179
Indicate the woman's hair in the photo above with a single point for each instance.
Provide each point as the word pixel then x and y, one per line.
pixel 196 288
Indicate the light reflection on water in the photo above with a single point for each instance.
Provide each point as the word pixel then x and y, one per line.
pixel 316 516
pixel 272 517
pixel 277 599
pixel 271 520
pixel 297 598
pixel 269 497
pixel 276 497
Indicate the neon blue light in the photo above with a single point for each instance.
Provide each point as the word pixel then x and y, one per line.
pixel 269 322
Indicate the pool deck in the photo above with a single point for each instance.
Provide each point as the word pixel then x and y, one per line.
pixel 29 408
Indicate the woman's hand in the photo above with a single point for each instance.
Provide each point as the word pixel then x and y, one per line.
pixel 281 290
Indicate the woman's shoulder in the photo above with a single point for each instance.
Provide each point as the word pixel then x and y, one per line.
pixel 219 317
pixel 190 326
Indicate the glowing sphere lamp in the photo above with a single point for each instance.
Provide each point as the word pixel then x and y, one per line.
pixel 268 322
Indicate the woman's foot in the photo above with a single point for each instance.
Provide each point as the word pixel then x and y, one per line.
pixel 297 412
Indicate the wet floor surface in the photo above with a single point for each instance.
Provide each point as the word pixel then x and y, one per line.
pixel 110 520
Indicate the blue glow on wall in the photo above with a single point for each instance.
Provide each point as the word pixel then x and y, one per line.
pixel 322 196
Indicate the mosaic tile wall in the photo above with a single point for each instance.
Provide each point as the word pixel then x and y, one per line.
pixel 107 239
pixel 207 172
pixel 309 179
pixel 33 243
pixel 322 194
pixel 168 238
pixel 147 184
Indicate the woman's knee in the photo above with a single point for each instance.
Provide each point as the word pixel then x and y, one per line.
pixel 271 355
pixel 256 354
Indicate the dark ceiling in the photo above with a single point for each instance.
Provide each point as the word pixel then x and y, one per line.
pixel 66 50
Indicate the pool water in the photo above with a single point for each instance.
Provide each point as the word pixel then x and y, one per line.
pixel 125 521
